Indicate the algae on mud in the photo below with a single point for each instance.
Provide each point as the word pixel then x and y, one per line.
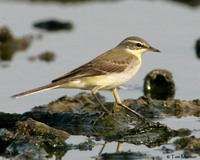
pixel 30 140
pixel 34 128
pixel 150 134
pixel 188 144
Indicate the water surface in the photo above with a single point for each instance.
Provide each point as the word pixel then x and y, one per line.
pixel 100 26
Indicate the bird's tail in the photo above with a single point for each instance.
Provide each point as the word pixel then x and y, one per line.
pixel 36 90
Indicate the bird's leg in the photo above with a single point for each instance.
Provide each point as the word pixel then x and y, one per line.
pixel 124 106
pixel 103 148
pixel 94 90
pixel 102 114
pixel 119 147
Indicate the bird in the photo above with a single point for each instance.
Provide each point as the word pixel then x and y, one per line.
pixel 105 72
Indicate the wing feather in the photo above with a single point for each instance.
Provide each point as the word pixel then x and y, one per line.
pixel 99 67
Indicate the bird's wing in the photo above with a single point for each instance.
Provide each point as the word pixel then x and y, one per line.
pixel 99 67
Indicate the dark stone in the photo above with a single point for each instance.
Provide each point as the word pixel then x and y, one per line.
pixel 197 47
pixel 47 56
pixel 54 25
pixel 158 84
pixel 10 45
pixel 191 3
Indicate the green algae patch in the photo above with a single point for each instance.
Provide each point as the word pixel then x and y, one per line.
pixel 188 144
pixel 150 134
pixel 31 140
pixel 179 108
pixel 88 145
pixel 81 103
pixel 35 128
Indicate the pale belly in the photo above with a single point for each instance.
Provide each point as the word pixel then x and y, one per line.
pixel 106 82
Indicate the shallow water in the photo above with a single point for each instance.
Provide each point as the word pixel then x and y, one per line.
pixel 169 27
pixel 98 26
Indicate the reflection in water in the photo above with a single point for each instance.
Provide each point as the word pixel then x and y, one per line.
pixel 102 148
pixel 10 45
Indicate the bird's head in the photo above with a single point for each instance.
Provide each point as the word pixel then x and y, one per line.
pixel 136 45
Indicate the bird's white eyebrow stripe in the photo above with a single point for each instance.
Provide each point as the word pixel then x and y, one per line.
pixel 135 41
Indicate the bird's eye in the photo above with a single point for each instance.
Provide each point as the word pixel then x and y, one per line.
pixel 138 44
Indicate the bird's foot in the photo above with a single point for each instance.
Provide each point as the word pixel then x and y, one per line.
pixel 136 113
pixel 110 114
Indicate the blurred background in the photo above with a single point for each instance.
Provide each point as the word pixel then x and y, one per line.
pixel 71 33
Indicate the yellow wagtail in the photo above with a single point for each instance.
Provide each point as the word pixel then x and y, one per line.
pixel 106 72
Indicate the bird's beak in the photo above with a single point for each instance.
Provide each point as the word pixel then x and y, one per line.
pixel 153 49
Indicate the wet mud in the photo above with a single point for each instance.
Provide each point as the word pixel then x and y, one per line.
pixel 46 128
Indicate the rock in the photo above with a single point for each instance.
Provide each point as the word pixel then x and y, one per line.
pixel 191 3
pixel 10 45
pixel 32 140
pixel 34 128
pixel 21 136
pixel 158 84
pixel 47 56
pixel 54 25
pixel 197 48
pixel 87 145
pixel 188 144
pixel 166 150
pixel 79 104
